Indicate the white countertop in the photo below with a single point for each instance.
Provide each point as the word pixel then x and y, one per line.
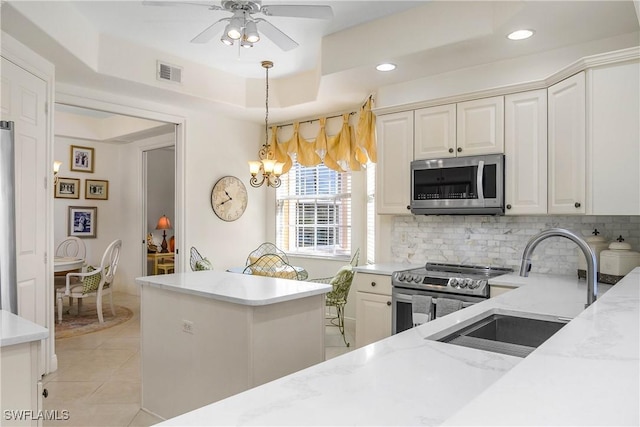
pixel 585 374
pixel 17 330
pixel 241 289
pixel 386 269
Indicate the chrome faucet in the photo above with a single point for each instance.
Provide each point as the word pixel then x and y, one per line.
pixel 592 268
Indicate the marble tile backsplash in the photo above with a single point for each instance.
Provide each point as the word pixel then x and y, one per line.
pixel 500 240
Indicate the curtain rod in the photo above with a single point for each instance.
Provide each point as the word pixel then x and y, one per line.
pixel 328 117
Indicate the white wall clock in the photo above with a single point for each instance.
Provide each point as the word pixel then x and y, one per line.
pixel 229 198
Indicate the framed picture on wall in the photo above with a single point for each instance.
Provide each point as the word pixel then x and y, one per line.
pixel 81 159
pixel 67 188
pixel 97 189
pixel 83 221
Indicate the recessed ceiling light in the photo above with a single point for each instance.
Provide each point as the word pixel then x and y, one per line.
pixel 387 66
pixel 520 35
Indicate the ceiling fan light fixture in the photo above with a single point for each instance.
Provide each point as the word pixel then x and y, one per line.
pixel 234 28
pixel 226 39
pixel 251 32
pixel 246 44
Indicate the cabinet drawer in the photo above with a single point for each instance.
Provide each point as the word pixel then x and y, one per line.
pixel 373 283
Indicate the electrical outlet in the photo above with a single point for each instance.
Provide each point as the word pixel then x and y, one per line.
pixel 187 326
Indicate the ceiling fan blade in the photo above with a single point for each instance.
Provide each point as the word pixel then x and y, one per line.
pixel 208 5
pixel 282 40
pixel 208 33
pixel 298 11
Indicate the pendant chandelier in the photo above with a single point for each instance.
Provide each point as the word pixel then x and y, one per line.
pixel 267 166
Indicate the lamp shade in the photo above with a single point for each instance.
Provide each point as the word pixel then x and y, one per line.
pixel 56 166
pixel 163 223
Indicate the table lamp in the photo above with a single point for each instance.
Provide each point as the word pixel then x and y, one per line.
pixel 164 224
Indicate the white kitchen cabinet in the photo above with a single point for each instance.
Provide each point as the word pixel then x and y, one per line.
pixel 480 126
pixel 395 153
pixel 613 139
pixel 435 132
pixel 567 146
pixel 526 153
pixel 373 307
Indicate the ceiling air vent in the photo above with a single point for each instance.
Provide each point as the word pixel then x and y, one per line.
pixel 169 73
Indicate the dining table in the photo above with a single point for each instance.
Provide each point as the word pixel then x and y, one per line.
pixel 63 265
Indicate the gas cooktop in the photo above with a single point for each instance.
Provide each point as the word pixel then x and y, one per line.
pixel 450 278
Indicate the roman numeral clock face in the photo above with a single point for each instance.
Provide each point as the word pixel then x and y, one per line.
pixel 229 198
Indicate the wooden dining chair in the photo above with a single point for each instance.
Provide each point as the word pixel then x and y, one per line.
pixel 71 247
pixel 95 282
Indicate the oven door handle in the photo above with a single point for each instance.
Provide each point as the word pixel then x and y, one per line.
pixel 479 181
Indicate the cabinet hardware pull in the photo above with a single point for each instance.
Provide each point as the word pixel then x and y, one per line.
pixel 459 149
pixel 388 302
pixel 373 283
pixel 45 393
pixel 408 207
pixel 577 205
pixel 451 150
pixel 508 206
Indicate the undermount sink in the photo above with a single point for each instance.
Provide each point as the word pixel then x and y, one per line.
pixel 515 334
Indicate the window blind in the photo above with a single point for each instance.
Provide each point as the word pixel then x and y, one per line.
pixel 313 211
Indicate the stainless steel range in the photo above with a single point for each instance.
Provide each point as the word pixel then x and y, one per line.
pixel 452 284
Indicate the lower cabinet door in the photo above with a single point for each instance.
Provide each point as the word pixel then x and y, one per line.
pixel 373 318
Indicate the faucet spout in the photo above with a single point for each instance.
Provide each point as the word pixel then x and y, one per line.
pixel 592 270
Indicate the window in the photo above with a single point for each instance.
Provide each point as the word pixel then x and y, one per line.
pixel 314 212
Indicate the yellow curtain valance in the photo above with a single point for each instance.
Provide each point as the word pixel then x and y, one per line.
pixel 347 150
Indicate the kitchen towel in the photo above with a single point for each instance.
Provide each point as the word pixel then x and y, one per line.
pixel 420 309
pixel 445 306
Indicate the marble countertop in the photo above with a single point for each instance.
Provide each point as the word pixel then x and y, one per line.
pixel 241 289
pixel 17 330
pixel 385 269
pixel 585 374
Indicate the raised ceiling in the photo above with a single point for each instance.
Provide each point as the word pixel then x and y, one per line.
pixel 97 44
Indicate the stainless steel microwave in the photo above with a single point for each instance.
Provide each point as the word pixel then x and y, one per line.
pixel 471 185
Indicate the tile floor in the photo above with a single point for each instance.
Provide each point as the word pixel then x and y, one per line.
pixel 98 376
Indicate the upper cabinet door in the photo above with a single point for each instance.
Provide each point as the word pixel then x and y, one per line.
pixel 567 146
pixel 480 126
pixel 614 139
pixel 395 153
pixel 526 153
pixel 435 132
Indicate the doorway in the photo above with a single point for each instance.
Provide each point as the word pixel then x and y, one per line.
pixel 119 144
pixel 158 165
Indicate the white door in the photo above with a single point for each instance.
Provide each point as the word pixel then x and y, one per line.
pixel 480 126
pixel 567 146
pixel 435 132
pixel 526 153
pixel 24 102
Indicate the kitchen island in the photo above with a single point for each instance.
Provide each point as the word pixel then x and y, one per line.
pixel 207 335
pixel 587 373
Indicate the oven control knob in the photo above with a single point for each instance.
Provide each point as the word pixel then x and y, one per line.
pixel 400 277
pixel 466 283
pixel 454 283
pixel 417 279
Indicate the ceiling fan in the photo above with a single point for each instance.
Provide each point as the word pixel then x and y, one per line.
pixel 246 29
